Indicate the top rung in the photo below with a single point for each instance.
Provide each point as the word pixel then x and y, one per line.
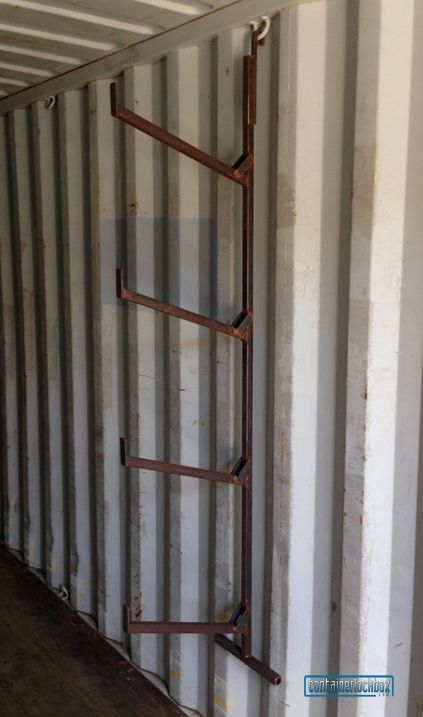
pixel 238 173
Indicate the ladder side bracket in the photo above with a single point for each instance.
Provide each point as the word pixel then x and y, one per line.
pixel 172 310
pixel 174 142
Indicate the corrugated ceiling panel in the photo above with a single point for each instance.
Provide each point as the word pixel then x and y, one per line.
pixel 42 39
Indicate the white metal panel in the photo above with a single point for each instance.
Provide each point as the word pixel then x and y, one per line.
pixel 49 276
pixel 144 272
pixel 227 302
pixel 28 330
pixel 309 164
pixel 109 389
pixel 385 359
pixel 189 237
pixel 88 194
pixel 73 160
pixel 10 492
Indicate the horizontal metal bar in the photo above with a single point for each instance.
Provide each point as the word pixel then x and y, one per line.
pixel 172 310
pixel 180 627
pixel 234 478
pixel 175 627
pixel 171 140
pixel 257 665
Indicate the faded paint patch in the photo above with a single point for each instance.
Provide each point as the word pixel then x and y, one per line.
pixel 220 697
pixel 286 214
pixel 222 705
pixel 363 189
pixel 175 668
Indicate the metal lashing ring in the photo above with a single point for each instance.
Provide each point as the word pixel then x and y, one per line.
pixel 264 23
pixel 63 593
pixel 266 27
pixel 49 102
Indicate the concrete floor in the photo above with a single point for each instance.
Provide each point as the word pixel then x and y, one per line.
pixel 53 663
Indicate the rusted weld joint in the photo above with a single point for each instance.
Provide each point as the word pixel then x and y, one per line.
pixel 242 472
pixel 241 618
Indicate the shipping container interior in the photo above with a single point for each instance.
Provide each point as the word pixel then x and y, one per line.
pixel 338 321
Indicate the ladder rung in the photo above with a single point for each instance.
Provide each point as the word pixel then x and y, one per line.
pixel 212 628
pixel 171 310
pixel 164 467
pixel 171 140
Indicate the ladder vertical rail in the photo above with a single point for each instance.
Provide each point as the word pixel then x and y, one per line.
pixel 249 118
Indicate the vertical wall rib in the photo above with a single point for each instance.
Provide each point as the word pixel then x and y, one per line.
pixel 230 47
pixel 10 493
pixel 189 221
pixel 49 280
pixel 28 331
pixel 106 251
pixel 73 146
pixel 144 273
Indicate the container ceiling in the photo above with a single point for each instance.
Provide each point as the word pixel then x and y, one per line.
pixel 41 39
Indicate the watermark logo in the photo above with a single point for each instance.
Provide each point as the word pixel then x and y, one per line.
pixel 349 686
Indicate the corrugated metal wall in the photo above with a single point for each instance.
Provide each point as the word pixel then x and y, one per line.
pixel 338 339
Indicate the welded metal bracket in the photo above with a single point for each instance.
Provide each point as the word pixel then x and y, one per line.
pixel 171 310
pixel 242 173
pixel 237 173
pixel 237 476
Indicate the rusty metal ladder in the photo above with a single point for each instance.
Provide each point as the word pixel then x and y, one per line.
pixel 242 173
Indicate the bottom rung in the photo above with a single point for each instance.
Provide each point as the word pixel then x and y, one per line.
pixel 210 628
